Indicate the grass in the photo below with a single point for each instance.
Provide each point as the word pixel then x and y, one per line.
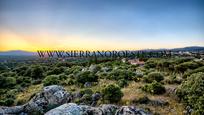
pixel 26 95
pixel 133 91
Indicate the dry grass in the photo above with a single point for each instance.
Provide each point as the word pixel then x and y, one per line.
pixel 24 96
pixel 133 92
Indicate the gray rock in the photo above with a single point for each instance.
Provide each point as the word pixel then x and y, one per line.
pixel 11 110
pixel 50 97
pixel 88 110
pixel 105 109
pixel 94 68
pixel 66 109
pixel 73 109
pixel 88 84
pixel 130 110
pixel 77 95
pixel 105 69
pixel 96 96
pixel 108 109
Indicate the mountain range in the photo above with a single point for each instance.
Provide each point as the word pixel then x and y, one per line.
pixel 27 53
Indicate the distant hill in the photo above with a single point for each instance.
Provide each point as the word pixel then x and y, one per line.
pixel 26 53
pixel 17 53
pixel 191 48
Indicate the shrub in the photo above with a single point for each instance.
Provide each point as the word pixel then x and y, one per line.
pixel 37 72
pixel 200 69
pixel 86 91
pixel 185 66
pixel 73 70
pixel 56 71
pixel 86 76
pixel 7 82
pixel 122 83
pixel 150 64
pixel 118 74
pixel 154 76
pixel 112 93
pixel 23 81
pixel 154 88
pixel 191 92
pixel 173 80
pixel 102 74
pixel 68 82
pixel 51 80
pixel 7 102
pixel 142 100
pixel 21 70
pixel 86 99
pixel 86 96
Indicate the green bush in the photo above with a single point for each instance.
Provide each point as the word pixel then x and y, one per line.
pixel 185 66
pixel 7 102
pixel 154 88
pixel 118 74
pixel 112 93
pixel 86 76
pixel 150 64
pixel 173 80
pixel 37 72
pixel 153 76
pixel 7 82
pixel 68 82
pixel 191 92
pixel 142 100
pixel 86 96
pixel 51 80
pixel 56 71
pixel 122 83
pixel 200 69
pixel 102 75
pixel 73 70
pixel 86 91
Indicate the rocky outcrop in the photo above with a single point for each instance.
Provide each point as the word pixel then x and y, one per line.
pixel 105 109
pixel 95 97
pixel 66 109
pixel 109 109
pixel 11 110
pixel 130 110
pixel 56 101
pixel 50 97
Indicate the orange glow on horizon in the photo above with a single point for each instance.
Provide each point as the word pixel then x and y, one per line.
pixel 49 41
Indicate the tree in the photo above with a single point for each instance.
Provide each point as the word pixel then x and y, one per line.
pixel 185 66
pixel 37 72
pixel 112 93
pixel 86 76
pixel 191 92
pixel 154 88
pixel 157 76
pixel 51 80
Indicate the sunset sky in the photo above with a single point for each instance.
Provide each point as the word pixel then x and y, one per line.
pixel 100 24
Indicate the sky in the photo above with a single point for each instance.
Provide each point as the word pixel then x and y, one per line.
pixel 100 24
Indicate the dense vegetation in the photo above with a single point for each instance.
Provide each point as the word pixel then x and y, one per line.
pixel 117 82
